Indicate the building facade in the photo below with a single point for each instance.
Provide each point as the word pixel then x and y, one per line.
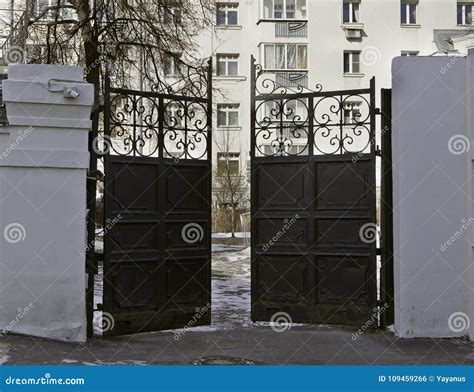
pixel 340 44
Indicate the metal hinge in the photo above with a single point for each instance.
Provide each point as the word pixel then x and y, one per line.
pixel 94 175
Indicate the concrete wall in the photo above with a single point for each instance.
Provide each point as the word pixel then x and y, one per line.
pixel 433 217
pixel 43 164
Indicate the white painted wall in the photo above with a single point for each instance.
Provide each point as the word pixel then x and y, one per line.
pixel 43 164
pixel 433 222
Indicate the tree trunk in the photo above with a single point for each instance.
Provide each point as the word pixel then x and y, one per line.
pixel 233 219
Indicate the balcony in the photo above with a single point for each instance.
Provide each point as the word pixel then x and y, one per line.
pixel 291 79
pixel 291 29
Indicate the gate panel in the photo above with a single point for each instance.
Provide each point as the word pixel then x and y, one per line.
pixel 313 218
pixel 157 197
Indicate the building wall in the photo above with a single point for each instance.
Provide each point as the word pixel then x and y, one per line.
pixel 383 38
pixel 432 169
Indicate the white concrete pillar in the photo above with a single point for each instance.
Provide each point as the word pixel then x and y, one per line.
pixel 433 215
pixel 43 165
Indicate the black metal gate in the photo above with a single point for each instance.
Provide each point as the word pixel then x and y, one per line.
pixel 157 206
pixel 313 201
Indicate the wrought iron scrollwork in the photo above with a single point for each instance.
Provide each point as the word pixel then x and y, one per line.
pixel 341 124
pixel 170 122
pixel 291 122
pixel 134 125
pixel 282 127
pixel 185 129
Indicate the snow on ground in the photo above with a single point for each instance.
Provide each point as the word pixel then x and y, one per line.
pixel 238 234
pixel 230 289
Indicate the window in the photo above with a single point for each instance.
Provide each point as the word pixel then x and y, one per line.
pixel 171 66
pixel 409 53
pixel 226 14
pixel 465 13
pixel 285 56
pixel 408 12
pixel 227 115
pixel 350 11
pixel 351 62
pixel 284 9
pixel 227 64
pixel 228 162
pixel 41 6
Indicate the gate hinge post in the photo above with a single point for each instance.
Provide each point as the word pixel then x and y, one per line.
pixel 94 175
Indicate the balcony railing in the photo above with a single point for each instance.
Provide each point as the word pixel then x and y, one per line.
pixel 291 29
pixel 291 79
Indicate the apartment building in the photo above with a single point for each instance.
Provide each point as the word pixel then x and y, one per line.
pixel 339 44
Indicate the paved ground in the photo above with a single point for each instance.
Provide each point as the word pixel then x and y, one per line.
pixel 234 339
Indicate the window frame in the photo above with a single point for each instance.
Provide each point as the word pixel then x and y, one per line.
pixel 303 10
pixel 407 4
pixel 228 108
pixel 226 7
pixel 463 6
pixel 351 53
pixel 174 65
pixel 285 61
pixel 228 156
pixel 227 58
pixel 351 4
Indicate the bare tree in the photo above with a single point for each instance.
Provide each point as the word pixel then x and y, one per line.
pixel 230 185
pixel 135 36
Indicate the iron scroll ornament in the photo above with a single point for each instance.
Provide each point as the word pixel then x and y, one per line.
pixel 172 122
pixel 287 120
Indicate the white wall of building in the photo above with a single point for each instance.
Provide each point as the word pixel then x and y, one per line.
pixel 383 38
pixel 43 164
pixel 433 215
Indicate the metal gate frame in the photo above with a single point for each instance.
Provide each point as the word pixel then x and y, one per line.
pixel 309 307
pixel 179 251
